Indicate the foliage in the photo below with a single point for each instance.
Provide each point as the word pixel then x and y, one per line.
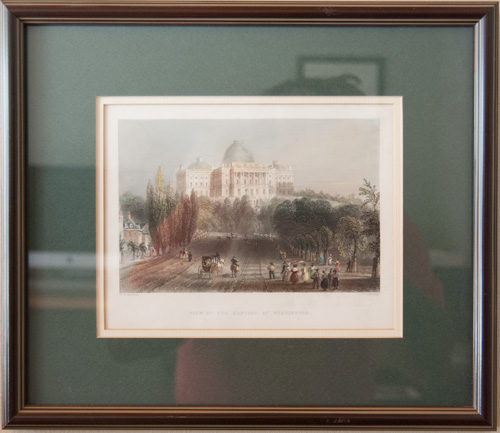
pixel 160 202
pixel 326 240
pixel 132 246
pixel 371 216
pixel 122 243
pixel 135 205
pixel 310 193
pixel 349 238
pixel 142 248
pixel 309 225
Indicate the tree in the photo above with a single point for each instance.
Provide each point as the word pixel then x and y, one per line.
pixel 142 248
pixel 135 205
pixel 122 247
pixel 371 221
pixel 156 206
pixel 245 218
pixel 325 239
pixel 350 239
pixel 193 217
pixel 132 246
pixel 227 216
pixel 160 202
pixel 266 215
pixel 185 212
pixel 309 245
pixel 206 218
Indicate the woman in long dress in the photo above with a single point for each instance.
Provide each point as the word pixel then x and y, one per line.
pixel 283 271
pixel 288 272
pixel 305 274
pixel 294 277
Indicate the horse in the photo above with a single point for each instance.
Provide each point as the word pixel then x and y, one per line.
pixel 234 270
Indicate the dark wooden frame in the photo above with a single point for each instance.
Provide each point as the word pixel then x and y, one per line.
pixel 481 15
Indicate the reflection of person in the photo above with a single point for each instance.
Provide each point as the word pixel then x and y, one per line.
pixel 271 271
pixel 190 256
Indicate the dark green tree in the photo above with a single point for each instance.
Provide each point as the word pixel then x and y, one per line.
pixel 371 221
pixel 133 247
pixel 350 239
pixel 135 205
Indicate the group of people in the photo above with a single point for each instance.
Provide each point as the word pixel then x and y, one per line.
pixel 320 279
pixel 185 254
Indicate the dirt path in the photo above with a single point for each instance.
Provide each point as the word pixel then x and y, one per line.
pixel 171 274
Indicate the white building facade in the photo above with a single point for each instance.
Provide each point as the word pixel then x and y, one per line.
pixel 238 176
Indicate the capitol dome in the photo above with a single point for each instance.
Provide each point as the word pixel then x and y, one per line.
pixel 237 152
pixel 199 164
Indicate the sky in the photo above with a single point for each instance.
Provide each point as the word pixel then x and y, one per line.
pixel 332 155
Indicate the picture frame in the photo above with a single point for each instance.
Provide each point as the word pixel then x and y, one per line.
pixel 33 399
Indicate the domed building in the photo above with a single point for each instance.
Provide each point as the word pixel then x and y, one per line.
pixel 239 175
pixel 196 177
pixel 237 152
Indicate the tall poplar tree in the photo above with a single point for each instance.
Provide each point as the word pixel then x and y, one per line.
pixel 156 208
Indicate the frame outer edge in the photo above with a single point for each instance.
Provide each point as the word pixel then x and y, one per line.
pixel 12 216
pixel 14 251
pixel 490 125
pixel 486 214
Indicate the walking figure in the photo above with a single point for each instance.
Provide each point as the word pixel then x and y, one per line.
pixel 315 278
pixel 271 271
pixel 294 277
pixel 305 274
pixel 234 267
pixel 335 280
pixel 324 281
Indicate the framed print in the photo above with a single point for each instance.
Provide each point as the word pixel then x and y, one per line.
pixel 240 135
pixel 201 264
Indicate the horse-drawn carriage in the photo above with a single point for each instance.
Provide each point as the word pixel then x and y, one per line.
pixel 209 266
